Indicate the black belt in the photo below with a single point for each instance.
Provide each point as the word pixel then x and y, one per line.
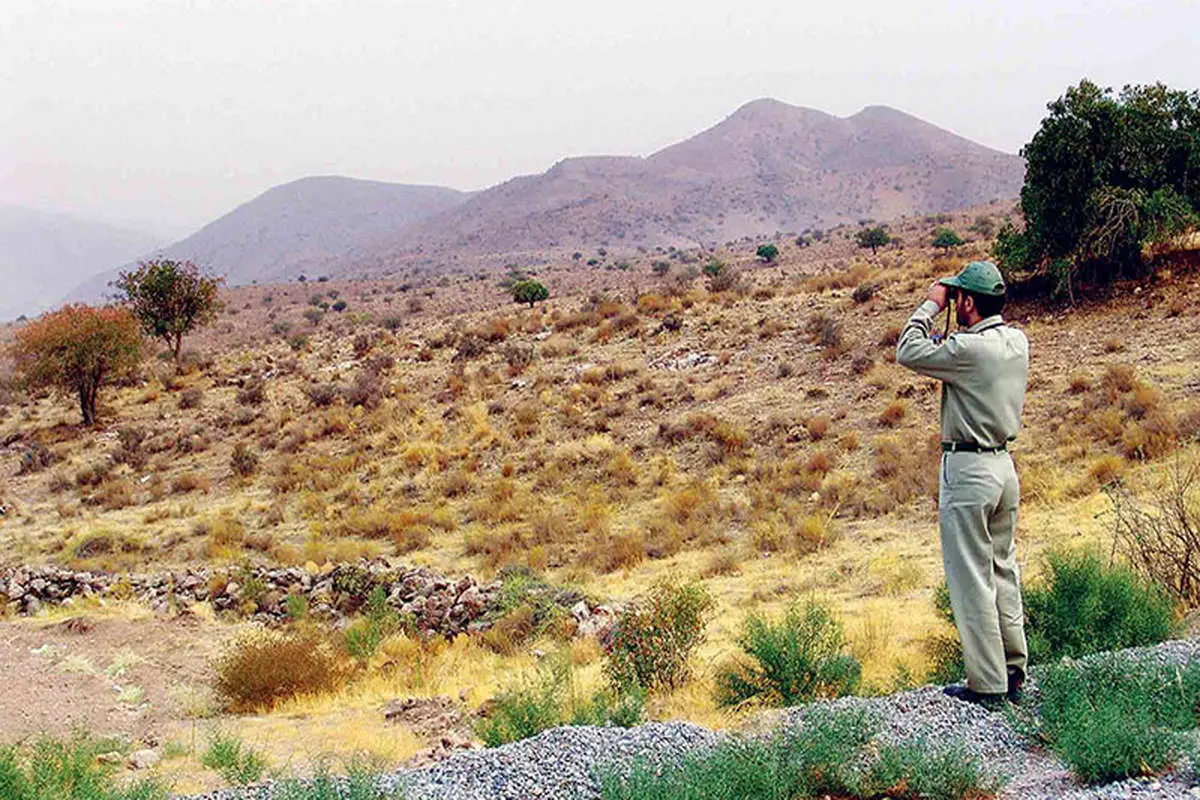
pixel 971 447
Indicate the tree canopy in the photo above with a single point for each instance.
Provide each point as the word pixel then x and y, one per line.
pixel 76 350
pixel 169 299
pixel 1107 174
pixel 528 291
pixel 873 238
pixel 767 252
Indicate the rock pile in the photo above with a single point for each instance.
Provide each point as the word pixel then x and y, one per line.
pixel 434 602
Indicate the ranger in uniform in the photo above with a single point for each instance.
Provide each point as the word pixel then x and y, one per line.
pixel 983 368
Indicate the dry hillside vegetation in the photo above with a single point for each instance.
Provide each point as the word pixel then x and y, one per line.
pixel 758 438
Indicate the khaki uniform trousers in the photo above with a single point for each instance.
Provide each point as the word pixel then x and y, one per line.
pixel 977 510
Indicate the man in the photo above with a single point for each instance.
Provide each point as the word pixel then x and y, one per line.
pixel 983 368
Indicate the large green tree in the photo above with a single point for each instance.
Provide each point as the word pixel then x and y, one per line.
pixel 1107 174
pixel 170 299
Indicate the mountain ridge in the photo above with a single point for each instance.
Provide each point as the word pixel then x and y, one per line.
pixel 766 168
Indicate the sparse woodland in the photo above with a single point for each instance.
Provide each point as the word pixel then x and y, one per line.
pixel 748 438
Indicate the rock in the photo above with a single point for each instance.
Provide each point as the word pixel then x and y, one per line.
pixel 111 758
pixel 580 611
pixel 144 759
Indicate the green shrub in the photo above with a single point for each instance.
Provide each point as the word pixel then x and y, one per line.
pixel 1085 606
pixel 917 770
pixel 52 769
pixel 831 755
pixel 657 635
pixel 791 661
pixel 529 707
pixel 361 639
pixel 234 761
pixel 1112 718
pixel 622 708
pixel 360 783
pixel 546 699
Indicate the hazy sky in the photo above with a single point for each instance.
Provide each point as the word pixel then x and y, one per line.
pixel 166 113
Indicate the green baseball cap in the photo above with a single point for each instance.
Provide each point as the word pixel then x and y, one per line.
pixel 981 277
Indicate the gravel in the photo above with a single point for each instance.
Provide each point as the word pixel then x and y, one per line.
pixel 561 764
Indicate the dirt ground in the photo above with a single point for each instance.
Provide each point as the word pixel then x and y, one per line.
pixel 125 678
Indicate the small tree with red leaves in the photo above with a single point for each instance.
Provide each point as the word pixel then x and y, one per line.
pixel 76 350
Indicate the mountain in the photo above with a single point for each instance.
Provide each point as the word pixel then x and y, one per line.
pixel 768 167
pixel 308 225
pixel 43 255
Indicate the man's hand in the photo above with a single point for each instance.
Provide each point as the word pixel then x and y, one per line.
pixel 939 294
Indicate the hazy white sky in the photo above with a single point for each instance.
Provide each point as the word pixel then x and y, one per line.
pixel 166 113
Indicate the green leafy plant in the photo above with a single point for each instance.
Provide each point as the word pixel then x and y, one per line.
pixel 790 661
pixel 1112 717
pixel 527 708
pixel 946 238
pixel 56 769
pixel 657 635
pixel 233 760
pixel 830 755
pixel 1086 606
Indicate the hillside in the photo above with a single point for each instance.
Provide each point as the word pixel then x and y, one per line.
pixel 44 255
pixel 636 426
pixel 769 167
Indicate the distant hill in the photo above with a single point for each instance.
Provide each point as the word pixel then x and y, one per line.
pixel 308 225
pixel 44 255
pixel 768 167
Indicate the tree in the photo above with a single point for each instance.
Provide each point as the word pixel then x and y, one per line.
pixel 76 350
pixel 1105 177
pixel 767 253
pixel 873 238
pixel 529 291
pixel 169 299
pixel 945 238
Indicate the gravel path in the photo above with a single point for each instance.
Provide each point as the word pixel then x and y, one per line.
pixel 561 764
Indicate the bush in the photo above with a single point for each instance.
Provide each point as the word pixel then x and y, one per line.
pixel 791 661
pixel 1113 718
pixel 830 756
pixel 243 461
pixel 657 635
pixel 527 708
pixel 263 668
pixel 322 395
pixel 1162 539
pixel 1085 606
pixel 234 761
pixel 35 458
pixel 253 392
pixel 546 700
pixel 190 398
pixel 52 769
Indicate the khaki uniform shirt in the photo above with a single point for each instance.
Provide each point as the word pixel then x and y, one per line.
pixel 983 369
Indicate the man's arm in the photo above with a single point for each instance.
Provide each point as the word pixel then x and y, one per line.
pixel 916 348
